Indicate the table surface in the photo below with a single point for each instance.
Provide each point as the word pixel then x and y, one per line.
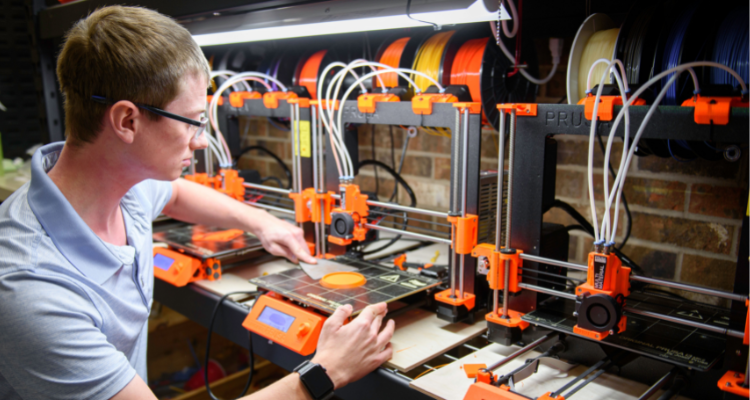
pixel 10 182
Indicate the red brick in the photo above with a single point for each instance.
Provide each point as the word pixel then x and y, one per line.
pixel 431 143
pixel 717 201
pixel 699 235
pixel 490 145
pixel 709 272
pixel 275 132
pixel 699 167
pixel 442 168
pixel 558 216
pixel 418 166
pixel 570 184
pixel 655 263
pixel 652 193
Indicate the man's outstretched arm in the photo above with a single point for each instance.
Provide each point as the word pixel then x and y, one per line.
pixel 197 204
pixel 347 352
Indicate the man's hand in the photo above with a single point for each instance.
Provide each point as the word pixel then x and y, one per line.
pixel 349 352
pixel 281 238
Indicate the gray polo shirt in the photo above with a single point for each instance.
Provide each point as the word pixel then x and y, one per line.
pixel 73 309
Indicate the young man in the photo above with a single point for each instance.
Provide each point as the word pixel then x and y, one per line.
pixel 76 267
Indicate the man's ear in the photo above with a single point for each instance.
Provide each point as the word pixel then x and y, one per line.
pixel 124 118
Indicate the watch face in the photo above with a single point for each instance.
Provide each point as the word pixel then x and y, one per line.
pixel 317 382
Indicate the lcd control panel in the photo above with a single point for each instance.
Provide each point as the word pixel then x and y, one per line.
pixel 174 267
pixel 284 323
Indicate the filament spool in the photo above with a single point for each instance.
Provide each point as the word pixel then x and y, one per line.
pixel 731 47
pixel 593 24
pixel 397 52
pixel 308 70
pixel 429 59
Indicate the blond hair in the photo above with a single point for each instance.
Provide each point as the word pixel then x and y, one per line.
pixel 123 53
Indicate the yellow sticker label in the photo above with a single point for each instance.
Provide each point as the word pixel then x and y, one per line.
pixel 304 139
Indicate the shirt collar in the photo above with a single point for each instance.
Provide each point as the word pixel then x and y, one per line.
pixel 70 234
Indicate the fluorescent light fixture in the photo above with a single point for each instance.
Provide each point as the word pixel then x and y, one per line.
pixel 237 29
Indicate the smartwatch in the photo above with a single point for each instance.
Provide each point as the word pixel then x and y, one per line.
pixel 316 380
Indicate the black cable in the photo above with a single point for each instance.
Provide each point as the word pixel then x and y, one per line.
pixel 393 162
pixel 399 180
pixel 575 228
pixel 408 7
pixel 624 200
pixel 281 163
pixel 396 176
pixel 588 228
pixel 208 347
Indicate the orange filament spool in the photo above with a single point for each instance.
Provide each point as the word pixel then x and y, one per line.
pixel 391 57
pixel 308 77
pixel 467 67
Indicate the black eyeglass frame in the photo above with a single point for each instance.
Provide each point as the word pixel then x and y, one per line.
pixel 157 111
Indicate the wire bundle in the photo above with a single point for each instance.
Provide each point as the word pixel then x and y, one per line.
pixel 467 66
pixel 429 58
pixel 308 76
pixel 731 47
pixel 673 50
pixel 601 45
pixel 392 57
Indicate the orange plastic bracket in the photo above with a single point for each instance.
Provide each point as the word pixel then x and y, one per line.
pixel 522 109
pixel 324 103
pixel 497 266
pixel 355 201
pixel 732 382
pixel 422 103
pixel 548 396
pixel 486 391
pixel 303 102
pixel 607 104
pixel 601 335
pixel 472 370
pixel 513 321
pixel 468 300
pixel 399 262
pixel 232 184
pixel 368 102
pixel 271 99
pixel 301 210
pixel 713 109
pixel 616 279
pixel 464 233
pixel 237 99
pixel 322 213
pixel 210 97
pixel 474 108
pixel 485 376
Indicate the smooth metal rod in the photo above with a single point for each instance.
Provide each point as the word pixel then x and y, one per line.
pixel 272 208
pixel 409 234
pixel 314 143
pixel 454 162
pixel 570 384
pixel 710 328
pixel 522 351
pixel 298 139
pixel 500 182
pixel 495 300
pixel 569 296
pixel 506 292
pixel 550 261
pixel 293 132
pixel 453 272
pixel 690 288
pixel 511 153
pixel 658 385
pixel 464 194
pixel 267 188
pixel 398 207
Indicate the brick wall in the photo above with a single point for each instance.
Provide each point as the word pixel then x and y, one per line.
pixel 686 217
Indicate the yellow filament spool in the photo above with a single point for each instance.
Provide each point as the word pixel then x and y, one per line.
pixel 600 45
pixel 428 58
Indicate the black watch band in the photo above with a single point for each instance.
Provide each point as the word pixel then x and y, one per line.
pixel 316 380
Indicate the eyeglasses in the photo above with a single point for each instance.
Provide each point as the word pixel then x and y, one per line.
pixel 200 124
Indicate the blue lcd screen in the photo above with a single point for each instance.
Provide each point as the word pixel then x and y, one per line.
pixel 163 262
pixel 276 319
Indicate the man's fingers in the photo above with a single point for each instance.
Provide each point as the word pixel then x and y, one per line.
pixel 386 354
pixel 375 324
pixel 336 320
pixel 370 312
pixel 385 336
